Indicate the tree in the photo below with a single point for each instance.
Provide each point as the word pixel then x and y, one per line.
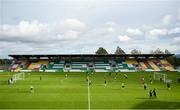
pixel 101 51
pixel 119 51
pixel 158 51
pixel 174 60
pixel 135 51
pixel 151 52
pixel 167 51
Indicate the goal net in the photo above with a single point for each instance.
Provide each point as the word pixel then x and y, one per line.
pixel 160 76
pixel 18 76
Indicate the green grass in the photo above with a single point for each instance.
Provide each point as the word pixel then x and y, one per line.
pixel 56 92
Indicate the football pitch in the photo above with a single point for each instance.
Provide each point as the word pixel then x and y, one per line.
pixel 55 91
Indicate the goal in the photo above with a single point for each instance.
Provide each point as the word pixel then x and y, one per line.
pixel 18 76
pixel 160 76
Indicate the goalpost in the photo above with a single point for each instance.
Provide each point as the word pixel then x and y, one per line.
pixel 18 76
pixel 160 76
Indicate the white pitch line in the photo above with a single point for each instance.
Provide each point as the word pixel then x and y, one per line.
pixel 89 98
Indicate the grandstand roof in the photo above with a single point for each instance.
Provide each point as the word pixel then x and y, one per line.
pixel 91 55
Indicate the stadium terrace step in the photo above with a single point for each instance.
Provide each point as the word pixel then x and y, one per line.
pixel 147 65
pixel 143 65
pixel 43 62
pixel 14 67
pixel 167 65
pixel 55 66
pixel 153 65
pixel 131 61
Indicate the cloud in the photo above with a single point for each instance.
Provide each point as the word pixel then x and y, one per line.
pixel 26 31
pixel 41 38
pixel 135 32
pixel 71 34
pixel 110 23
pixel 155 33
pixel 24 28
pixel 176 41
pixel 167 19
pixel 111 29
pixel 178 15
pixel 174 30
pixel 73 24
pixel 124 38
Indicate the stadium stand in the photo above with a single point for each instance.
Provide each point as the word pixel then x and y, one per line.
pixel 98 64
pixel 37 65
pixel 14 66
pixel 167 65
pixel 102 66
pixel 81 66
pixel 54 66
pixel 153 65
pixel 131 63
pixel 5 67
pixel 147 65
pixel 144 67
pixel 21 65
pixel 34 66
pixel 5 64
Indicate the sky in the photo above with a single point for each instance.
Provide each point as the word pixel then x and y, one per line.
pixel 82 26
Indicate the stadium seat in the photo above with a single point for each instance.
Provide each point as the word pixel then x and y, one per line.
pixel 167 65
pixel 144 67
pixel 130 64
pixel 55 66
pixel 153 65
